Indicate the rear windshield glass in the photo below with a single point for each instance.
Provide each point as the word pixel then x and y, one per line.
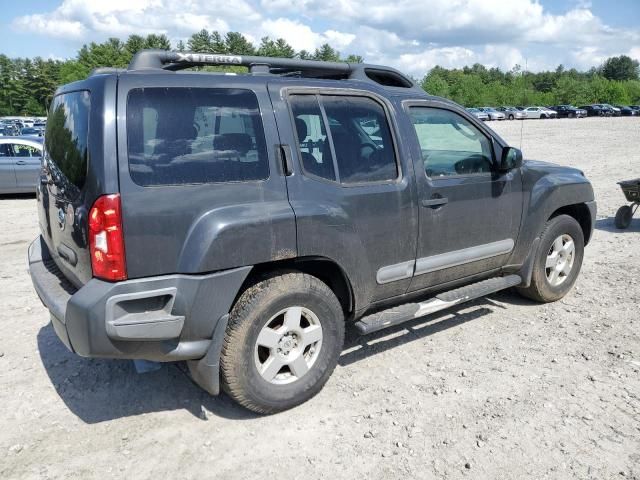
pixel 195 135
pixel 66 139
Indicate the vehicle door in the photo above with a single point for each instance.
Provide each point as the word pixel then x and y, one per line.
pixel 7 169
pixel 350 185
pixel 470 211
pixel 532 112
pixel 28 161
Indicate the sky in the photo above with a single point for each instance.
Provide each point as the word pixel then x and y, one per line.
pixel 411 35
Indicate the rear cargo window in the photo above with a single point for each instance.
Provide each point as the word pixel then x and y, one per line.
pixel 66 139
pixel 195 135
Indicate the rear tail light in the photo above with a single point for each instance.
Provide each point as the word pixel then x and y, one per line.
pixel 106 240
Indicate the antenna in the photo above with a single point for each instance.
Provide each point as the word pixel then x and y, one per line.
pixel 524 98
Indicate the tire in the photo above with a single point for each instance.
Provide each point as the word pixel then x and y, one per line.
pixel 571 115
pixel 511 117
pixel 623 217
pixel 543 117
pixel 262 311
pixel 543 288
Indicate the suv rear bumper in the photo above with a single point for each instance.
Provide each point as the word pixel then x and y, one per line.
pixel 163 318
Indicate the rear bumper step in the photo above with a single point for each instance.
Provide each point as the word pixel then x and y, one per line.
pixel 410 311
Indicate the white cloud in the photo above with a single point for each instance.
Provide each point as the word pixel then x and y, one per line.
pixel 408 34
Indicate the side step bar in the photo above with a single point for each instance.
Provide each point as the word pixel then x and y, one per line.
pixel 410 311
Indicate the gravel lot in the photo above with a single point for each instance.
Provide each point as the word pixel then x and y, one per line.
pixel 500 389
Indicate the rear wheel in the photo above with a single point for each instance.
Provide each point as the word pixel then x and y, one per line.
pixel 623 217
pixel 557 261
pixel 283 341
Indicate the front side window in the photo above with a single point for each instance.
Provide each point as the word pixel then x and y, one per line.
pixel 450 145
pixel 195 135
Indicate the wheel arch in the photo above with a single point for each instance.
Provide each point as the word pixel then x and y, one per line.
pixel 580 212
pixel 323 268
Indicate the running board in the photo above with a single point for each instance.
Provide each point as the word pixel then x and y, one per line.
pixel 410 311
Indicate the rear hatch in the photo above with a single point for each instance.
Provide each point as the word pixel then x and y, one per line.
pixel 63 202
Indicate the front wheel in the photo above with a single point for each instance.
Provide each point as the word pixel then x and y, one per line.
pixel 623 217
pixel 282 343
pixel 557 261
pixel 511 117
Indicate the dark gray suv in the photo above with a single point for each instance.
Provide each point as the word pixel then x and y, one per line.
pixel 239 222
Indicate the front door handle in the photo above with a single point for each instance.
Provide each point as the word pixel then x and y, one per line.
pixel 21 162
pixel 435 202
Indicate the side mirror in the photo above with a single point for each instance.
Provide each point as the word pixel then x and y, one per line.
pixel 511 158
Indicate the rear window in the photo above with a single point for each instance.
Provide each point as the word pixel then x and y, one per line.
pixel 195 135
pixel 67 136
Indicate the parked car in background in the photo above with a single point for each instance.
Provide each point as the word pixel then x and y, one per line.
pixel 479 114
pixel 31 132
pixel 20 163
pixel 540 112
pixel 608 109
pixel 493 113
pixel 512 113
pixel 627 111
pixel 569 111
pixel 635 108
pixel 595 111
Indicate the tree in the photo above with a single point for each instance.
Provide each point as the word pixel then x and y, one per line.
pixel 237 44
pixel 620 68
pixel 158 41
pixel 278 48
pixel 326 53
pixel 200 42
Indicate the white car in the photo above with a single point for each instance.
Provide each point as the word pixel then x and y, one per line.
pixel 540 112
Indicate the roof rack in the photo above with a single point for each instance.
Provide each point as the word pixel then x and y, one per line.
pixel 173 61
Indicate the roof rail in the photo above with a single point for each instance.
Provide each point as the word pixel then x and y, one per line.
pixel 173 61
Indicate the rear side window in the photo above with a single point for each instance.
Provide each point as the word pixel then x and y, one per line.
pixel 67 136
pixel 361 139
pixel 315 151
pixel 195 135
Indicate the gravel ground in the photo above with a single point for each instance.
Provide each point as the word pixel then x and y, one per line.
pixel 500 389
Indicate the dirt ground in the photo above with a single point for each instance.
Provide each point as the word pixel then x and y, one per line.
pixel 500 389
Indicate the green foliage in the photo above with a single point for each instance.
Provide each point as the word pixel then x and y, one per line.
pixel 620 68
pixel 479 86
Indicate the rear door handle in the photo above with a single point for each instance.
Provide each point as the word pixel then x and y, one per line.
pixel 435 202
pixel 285 157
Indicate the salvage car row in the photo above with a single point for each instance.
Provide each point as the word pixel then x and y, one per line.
pixel 557 111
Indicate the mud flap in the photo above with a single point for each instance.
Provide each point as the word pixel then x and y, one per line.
pixel 206 371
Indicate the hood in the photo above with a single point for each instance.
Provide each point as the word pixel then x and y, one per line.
pixel 548 167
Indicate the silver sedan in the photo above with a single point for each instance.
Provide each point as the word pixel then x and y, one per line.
pixel 493 113
pixel 20 161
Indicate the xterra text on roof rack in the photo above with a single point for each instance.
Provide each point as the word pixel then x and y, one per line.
pixel 239 222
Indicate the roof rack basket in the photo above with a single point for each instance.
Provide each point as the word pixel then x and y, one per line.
pixel 173 61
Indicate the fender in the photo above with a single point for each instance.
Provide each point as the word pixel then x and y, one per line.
pixel 239 235
pixel 546 187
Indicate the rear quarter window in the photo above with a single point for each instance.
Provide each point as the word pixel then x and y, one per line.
pixel 66 139
pixel 195 135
